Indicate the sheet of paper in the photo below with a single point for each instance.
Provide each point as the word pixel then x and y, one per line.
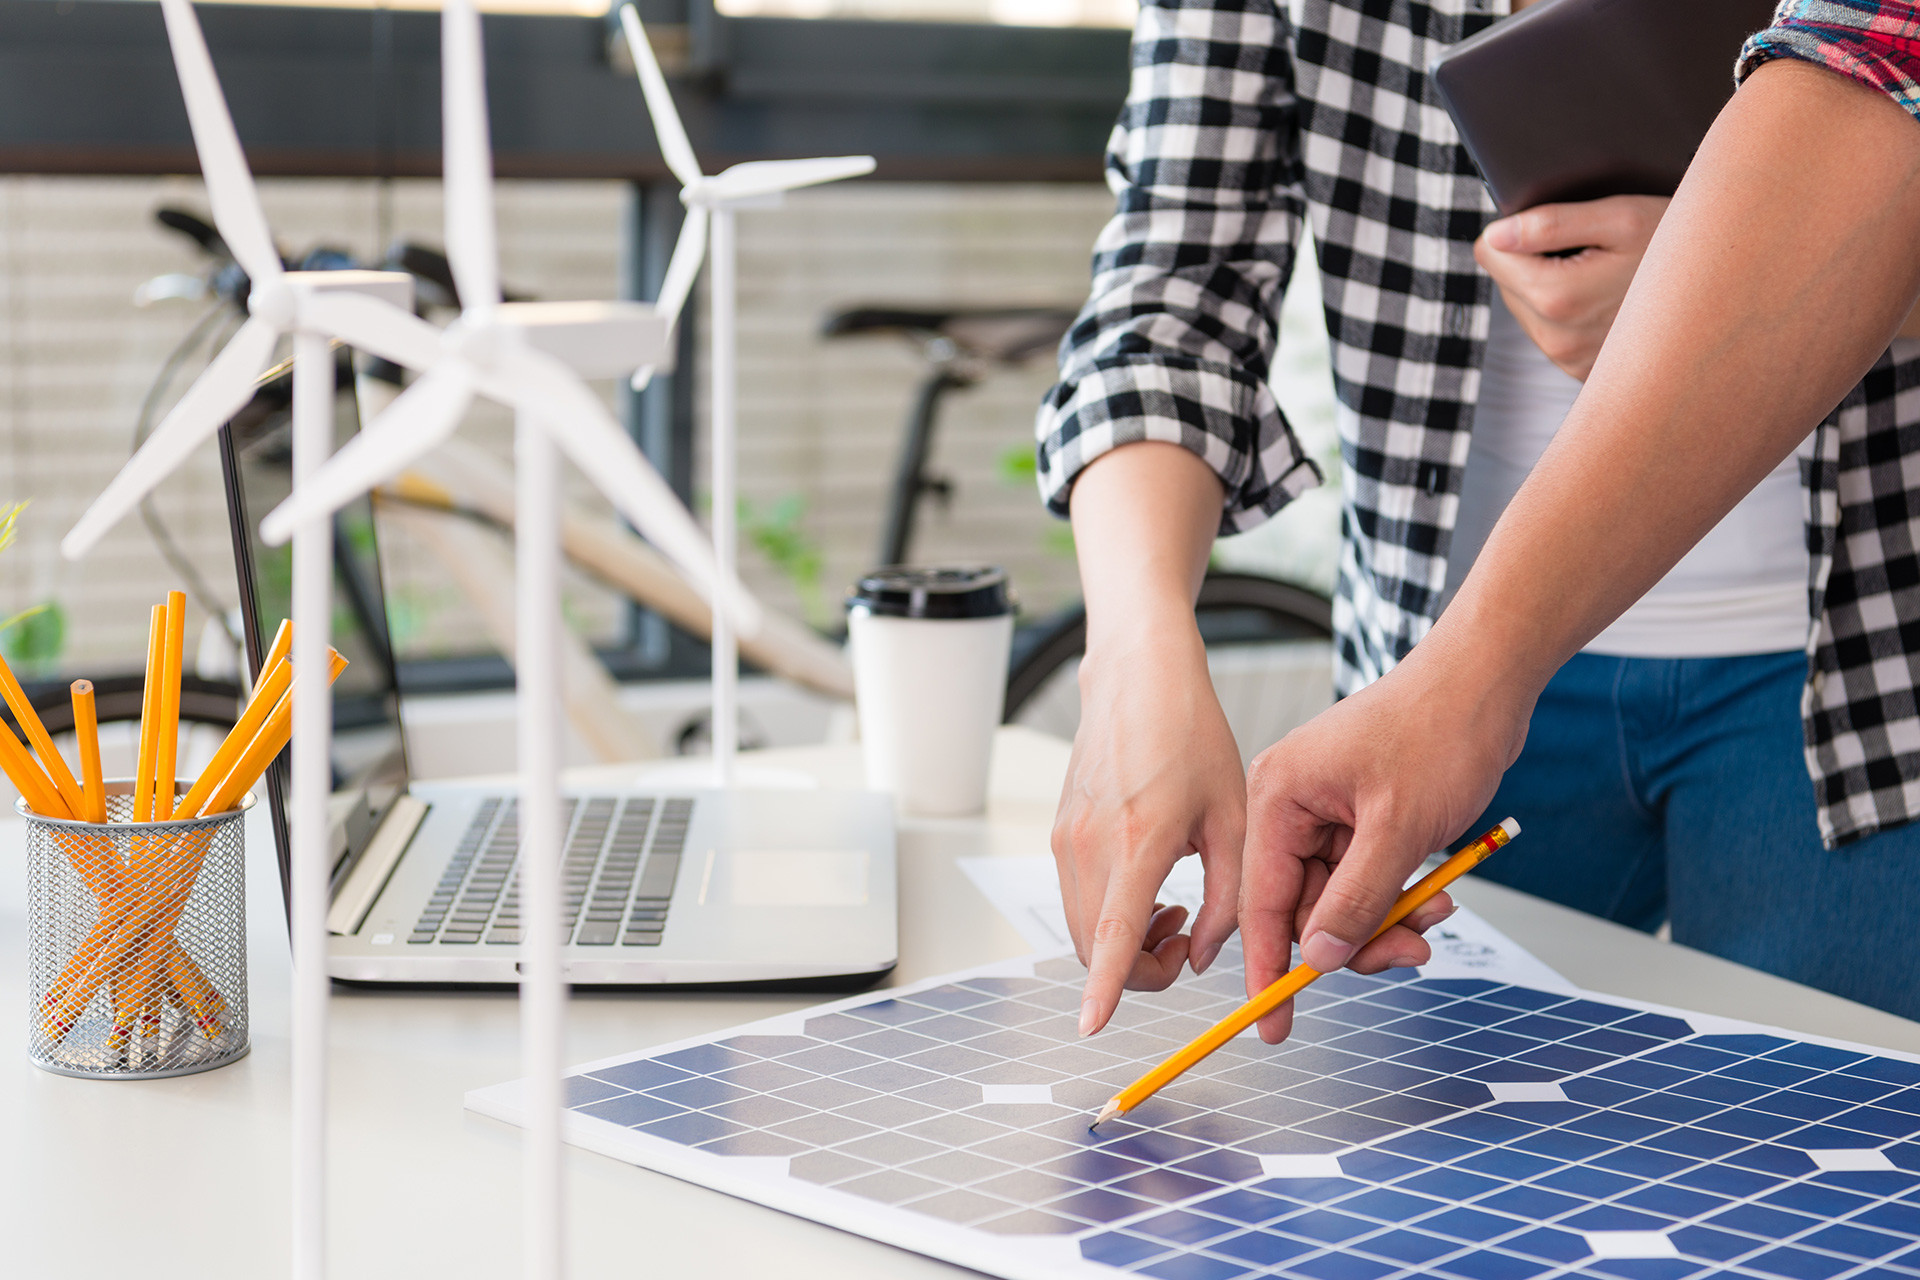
pixel 1026 892
pixel 1411 1126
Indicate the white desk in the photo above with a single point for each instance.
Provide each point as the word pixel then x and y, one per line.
pixel 188 1177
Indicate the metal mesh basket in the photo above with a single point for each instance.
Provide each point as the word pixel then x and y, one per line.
pixel 136 942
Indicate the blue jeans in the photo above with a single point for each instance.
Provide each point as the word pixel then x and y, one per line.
pixel 1675 789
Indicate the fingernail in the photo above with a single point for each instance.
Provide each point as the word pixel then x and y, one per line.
pixel 1503 235
pixel 1089 1014
pixel 1206 958
pixel 1325 952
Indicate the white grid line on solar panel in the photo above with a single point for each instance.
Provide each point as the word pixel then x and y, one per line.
pixel 1725 1206
pixel 1762 1246
pixel 1501 1018
pixel 1814 1226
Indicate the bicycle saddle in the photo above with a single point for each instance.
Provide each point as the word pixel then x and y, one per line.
pixel 1002 335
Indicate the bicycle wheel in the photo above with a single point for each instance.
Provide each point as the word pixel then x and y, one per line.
pixel 1269 651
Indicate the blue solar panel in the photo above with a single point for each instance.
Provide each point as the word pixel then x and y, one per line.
pixel 1371 1145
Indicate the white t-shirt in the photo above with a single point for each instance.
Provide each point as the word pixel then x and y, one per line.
pixel 1741 590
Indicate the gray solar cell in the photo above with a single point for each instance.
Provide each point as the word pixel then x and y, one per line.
pixel 1748 1154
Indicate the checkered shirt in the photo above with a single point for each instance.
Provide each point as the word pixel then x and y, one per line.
pixel 1245 121
pixel 1876 42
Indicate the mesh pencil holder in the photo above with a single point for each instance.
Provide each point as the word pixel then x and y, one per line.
pixel 136 942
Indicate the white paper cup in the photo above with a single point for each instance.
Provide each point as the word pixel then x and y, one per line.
pixel 930 653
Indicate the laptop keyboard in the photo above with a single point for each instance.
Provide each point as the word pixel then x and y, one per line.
pixel 621 858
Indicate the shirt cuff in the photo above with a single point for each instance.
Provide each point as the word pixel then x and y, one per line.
pixel 1227 419
pixel 1879 62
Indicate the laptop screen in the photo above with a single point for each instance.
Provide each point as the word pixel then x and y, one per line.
pixel 369 751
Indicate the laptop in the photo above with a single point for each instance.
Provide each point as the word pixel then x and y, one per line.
pixel 663 886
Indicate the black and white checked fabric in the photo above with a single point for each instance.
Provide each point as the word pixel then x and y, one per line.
pixel 1244 120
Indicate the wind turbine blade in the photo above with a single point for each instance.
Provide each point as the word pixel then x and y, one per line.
pixel 373 326
pixel 424 414
pixel 689 255
pixel 765 177
pixel 236 205
pixel 674 147
pixel 472 247
pixel 587 433
pixel 226 384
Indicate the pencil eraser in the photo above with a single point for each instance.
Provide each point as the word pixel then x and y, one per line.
pixel 1511 827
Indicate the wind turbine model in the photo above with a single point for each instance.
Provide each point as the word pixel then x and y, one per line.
pixel 531 356
pixel 756 184
pixel 369 310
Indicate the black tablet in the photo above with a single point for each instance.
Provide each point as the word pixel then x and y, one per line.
pixel 1579 99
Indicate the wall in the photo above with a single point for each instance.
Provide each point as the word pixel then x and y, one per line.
pixel 819 420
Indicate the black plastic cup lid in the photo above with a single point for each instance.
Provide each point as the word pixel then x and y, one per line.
pixel 898 591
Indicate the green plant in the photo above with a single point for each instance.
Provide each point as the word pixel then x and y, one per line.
pixel 36 637
pixel 33 638
pixel 1019 465
pixel 777 532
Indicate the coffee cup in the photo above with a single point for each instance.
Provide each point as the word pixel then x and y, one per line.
pixel 930 648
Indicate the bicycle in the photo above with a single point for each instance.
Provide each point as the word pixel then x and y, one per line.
pixel 456 482
pixel 224 281
pixel 1268 641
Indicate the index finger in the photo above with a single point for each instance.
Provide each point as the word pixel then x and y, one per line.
pixel 1117 934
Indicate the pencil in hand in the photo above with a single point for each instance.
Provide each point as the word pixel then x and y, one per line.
pixel 1297 979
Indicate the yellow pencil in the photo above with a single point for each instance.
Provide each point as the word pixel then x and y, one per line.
pixel 1287 987
pixel 172 658
pixel 281 647
pixel 268 743
pixel 36 733
pixel 148 852
pixel 27 778
pixel 86 728
pixel 150 716
pixel 164 881
pixel 266 696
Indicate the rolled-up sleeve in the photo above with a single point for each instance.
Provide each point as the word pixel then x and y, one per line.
pixel 1876 42
pixel 1178 335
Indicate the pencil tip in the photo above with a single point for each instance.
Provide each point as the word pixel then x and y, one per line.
pixel 1107 1113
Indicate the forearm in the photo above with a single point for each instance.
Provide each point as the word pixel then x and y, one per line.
pixel 1144 518
pixel 1788 259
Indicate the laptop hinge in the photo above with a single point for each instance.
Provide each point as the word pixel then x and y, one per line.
pixel 377 861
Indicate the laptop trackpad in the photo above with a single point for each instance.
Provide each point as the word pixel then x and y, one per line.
pixel 798 877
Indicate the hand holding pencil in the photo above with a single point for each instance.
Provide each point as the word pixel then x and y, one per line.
pixel 1300 976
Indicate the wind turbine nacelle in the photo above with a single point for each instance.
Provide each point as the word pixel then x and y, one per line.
pixel 594 339
pixel 394 287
